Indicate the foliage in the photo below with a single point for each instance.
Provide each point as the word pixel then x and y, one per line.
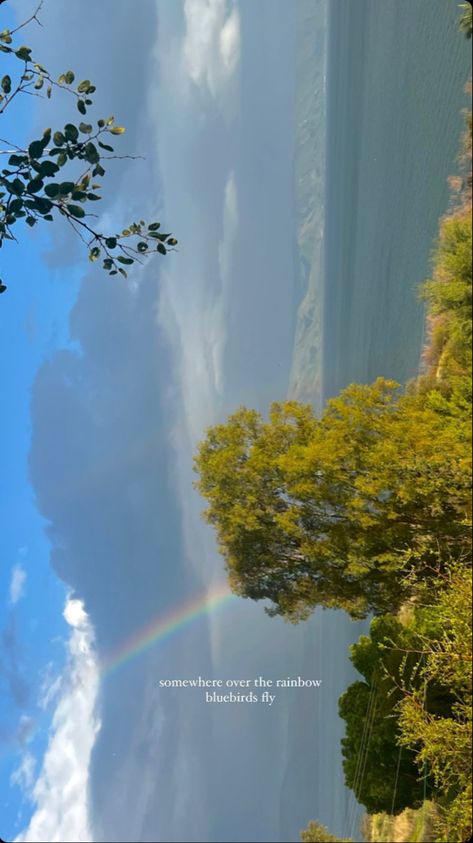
pixel 443 741
pixel 408 724
pixel 449 298
pixel 383 776
pixel 56 174
pixel 337 511
pixel 316 832
pixel 448 294
pixel 413 825
pixel 465 24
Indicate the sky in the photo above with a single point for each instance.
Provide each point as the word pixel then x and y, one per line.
pixel 110 386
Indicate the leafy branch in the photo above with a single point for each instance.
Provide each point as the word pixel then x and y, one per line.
pixel 33 186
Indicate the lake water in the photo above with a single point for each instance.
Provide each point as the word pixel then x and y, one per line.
pixel 396 74
pixel 394 93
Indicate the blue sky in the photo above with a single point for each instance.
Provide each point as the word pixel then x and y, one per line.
pixel 33 324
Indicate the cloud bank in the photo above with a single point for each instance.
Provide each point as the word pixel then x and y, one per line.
pixel 211 44
pixel 60 792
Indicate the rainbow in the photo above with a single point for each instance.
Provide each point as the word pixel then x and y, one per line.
pixel 163 627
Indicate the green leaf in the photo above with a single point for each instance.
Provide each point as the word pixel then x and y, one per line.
pixel 59 139
pixel 52 190
pixel 93 197
pixel 123 272
pixel 36 149
pixel 105 146
pixel 154 226
pixel 48 168
pixel 83 86
pixel 98 170
pixel 91 153
pixel 111 242
pixel 15 206
pixel 94 254
pixel 71 132
pixel 40 204
pixel 23 53
pixel 76 211
pixel 126 261
pixel 35 185
pixel 31 221
pixel 85 128
pixel 69 77
pixel 81 107
pixel 61 159
pixel 16 186
pixel 117 130
pixel 17 160
pixel 39 83
pixel 2 288
pixel 66 187
pixel 172 241
pixel 6 84
pixel 142 247
pixel 161 248
pixel 108 263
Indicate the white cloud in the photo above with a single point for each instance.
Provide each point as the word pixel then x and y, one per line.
pixel 60 792
pixel 17 583
pixel 23 775
pixel 74 613
pixel 195 325
pixel 230 223
pixel 230 42
pixel 50 687
pixel 211 45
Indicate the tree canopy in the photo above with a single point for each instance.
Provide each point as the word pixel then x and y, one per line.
pixel 442 737
pixel 384 776
pixel 57 175
pixel 337 511
pixel 318 833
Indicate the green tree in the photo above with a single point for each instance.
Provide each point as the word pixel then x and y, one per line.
pixel 318 833
pixel 56 175
pixel 442 740
pixel 383 775
pixel 337 511
pixel 408 724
